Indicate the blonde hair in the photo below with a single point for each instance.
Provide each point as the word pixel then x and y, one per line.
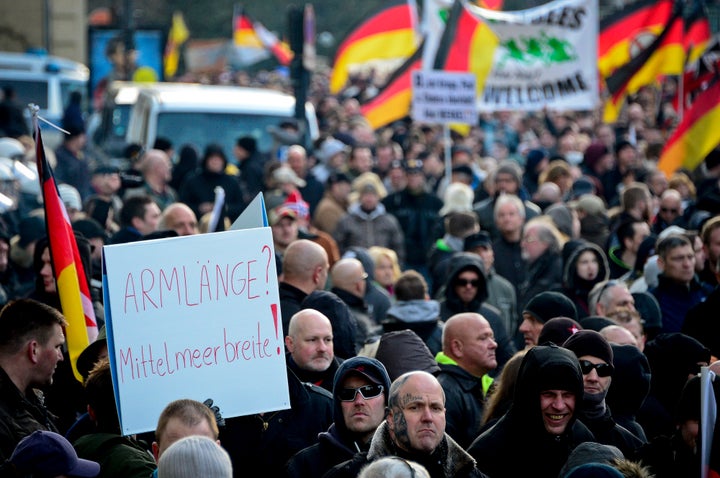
pixel 377 253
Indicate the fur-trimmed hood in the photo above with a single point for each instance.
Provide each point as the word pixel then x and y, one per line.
pixel 455 460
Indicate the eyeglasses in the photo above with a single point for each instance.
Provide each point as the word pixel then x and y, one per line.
pixel 467 282
pixel 602 369
pixel 367 392
pixel 672 211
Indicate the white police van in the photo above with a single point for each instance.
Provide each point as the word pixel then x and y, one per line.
pixel 204 114
pixel 46 81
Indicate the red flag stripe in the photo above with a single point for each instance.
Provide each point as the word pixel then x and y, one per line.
pixel 72 285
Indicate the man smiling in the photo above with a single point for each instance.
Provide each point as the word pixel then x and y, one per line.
pixel 541 420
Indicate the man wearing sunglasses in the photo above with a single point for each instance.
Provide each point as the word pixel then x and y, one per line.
pixel 414 430
pixel 596 362
pixel 360 392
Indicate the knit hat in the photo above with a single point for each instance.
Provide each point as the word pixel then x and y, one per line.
pixel 590 452
pixel 31 228
pixel 547 305
pixel 562 217
pixel 90 354
pixel 478 239
pixel 284 175
pixel 248 143
pixel 46 454
pixel 329 148
pixel 590 204
pixel 513 169
pixel 589 342
pixel 595 322
pixel 582 185
pixel 649 309
pixel 458 197
pixel 295 202
pixel 404 351
pixel 593 470
pixel 558 330
pixel 195 456
pixel 594 153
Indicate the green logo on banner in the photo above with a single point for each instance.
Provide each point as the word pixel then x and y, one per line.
pixel 544 49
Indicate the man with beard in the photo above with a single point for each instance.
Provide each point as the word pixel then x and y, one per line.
pixel 414 430
pixel 310 346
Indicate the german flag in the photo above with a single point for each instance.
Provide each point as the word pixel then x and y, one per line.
pixel 630 28
pixel 467 44
pixel 72 284
pixel 696 135
pixel 244 30
pixel 664 56
pixel 697 31
pixel 389 33
pixel 699 74
pixel 393 101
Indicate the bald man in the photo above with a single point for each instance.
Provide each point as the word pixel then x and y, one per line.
pixel 180 218
pixel 310 348
pixel 305 269
pixel 156 169
pixel 468 355
pixel 619 335
pixel 670 212
pixel 348 280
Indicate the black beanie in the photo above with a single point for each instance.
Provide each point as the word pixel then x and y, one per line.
pixel 548 305
pixel 558 330
pixel 589 342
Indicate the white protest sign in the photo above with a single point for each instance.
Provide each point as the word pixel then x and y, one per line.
pixel 443 97
pixel 194 317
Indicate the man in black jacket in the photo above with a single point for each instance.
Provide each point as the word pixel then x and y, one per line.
pixel 360 392
pixel 542 420
pixel 468 355
pixel 596 362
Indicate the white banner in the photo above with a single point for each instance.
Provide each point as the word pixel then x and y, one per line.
pixel 546 57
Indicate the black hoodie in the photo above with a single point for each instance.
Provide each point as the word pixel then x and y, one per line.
pixel 452 304
pixel 518 444
pixel 338 444
pixel 574 287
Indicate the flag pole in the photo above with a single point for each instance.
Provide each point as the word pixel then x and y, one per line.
pixel 448 152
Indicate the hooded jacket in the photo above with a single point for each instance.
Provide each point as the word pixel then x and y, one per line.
pixel 630 385
pixel 420 316
pixel 448 460
pixel 337 444
pixel 267 441
pixel 576 288
pixel 452 304
pixel 521 433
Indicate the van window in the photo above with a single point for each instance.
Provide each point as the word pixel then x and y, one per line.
pixel 201 129
pixel 29 91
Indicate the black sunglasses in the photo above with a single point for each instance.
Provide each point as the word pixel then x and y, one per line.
pixel 466 282
pixel 602 369
pixel 367 392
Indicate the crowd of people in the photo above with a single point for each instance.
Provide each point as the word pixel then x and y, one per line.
pixel 545 310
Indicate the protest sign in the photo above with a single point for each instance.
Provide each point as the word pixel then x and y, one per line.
pixel 194 317
pixel 443 97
